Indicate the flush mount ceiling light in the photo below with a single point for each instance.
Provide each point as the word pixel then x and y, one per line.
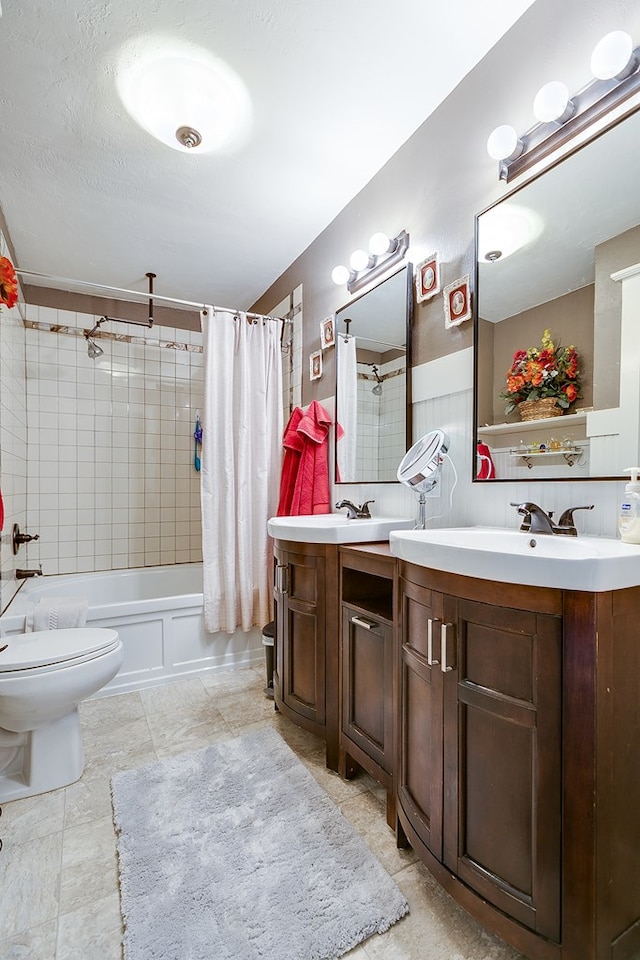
pixel 614 65
pixel 365 267
pixel 184 96
pixel 504 229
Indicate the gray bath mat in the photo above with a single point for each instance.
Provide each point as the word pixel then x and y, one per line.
pixel 235 852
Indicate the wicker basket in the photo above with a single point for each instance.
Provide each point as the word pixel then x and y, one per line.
pixel 539 409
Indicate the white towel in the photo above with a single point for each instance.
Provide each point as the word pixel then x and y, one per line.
pixel 57 613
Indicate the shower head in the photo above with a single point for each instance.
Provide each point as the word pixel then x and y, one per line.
pixel 377 390
pixel 89 333
pixel 93 350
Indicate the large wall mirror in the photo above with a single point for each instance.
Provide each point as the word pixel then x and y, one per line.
pixel 373 344
pixel 562 253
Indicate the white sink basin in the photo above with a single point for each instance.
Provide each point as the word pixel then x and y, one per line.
pixel 570 563
pixel 335 528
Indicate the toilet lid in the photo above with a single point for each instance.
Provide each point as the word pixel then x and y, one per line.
pixel 25 651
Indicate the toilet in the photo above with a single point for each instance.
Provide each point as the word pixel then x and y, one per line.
pixel 43 677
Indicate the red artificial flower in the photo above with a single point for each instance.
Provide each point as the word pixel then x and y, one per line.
pixel 8 283
pixel 571 392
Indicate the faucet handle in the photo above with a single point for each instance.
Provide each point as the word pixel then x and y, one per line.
pixel 566 520
pixel 363 509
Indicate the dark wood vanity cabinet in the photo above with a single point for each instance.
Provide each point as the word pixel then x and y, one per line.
pixel 368 597
pixel 518 760
pixel 307 637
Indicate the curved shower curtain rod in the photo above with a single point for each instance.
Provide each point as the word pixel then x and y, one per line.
pixel 139 293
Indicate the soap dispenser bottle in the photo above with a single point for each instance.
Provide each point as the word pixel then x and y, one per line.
pixel 629 517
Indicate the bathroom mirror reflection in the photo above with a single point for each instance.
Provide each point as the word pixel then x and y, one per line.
pixel 373 340
pixel 559 254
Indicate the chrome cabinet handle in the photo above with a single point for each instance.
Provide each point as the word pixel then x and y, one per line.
pixel 430 624
pixel 443 634
pixel 364 622
pixel 281 578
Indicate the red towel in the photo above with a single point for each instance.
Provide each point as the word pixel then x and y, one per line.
pixel 304 484
pixel 485 469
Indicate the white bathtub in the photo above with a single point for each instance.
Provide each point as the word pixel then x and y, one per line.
pixel 158 613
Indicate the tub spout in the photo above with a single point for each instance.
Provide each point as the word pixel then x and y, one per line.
pixel 25 574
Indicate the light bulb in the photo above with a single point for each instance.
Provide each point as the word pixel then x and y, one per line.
pixel 379 244
pixel 503 143
pixel 340 274
pixel 552 102
pixel 613 56
pixel 359 260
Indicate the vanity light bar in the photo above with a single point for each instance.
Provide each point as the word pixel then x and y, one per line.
pixel 597 100
pixel 364 268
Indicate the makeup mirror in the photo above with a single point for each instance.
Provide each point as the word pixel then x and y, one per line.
pixel 421 467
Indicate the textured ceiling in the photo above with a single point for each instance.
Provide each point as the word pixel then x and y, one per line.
pixel 88 194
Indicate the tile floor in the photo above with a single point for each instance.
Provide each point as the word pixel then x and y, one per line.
pixel 58 873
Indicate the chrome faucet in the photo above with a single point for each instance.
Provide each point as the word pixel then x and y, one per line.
pixel 537 521
pixel 26 574
pixel 354 512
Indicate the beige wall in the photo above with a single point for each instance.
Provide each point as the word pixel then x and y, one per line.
pixel 616 254
pixel 570 321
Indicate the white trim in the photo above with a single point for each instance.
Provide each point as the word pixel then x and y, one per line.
pixel 444 376
pixel 631 271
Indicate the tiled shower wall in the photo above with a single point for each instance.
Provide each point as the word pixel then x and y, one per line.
pixel 110 476
pixel 381 420
pixel 13 437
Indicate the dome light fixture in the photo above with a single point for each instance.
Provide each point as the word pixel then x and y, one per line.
pixel 612 57
pixel 503 143
pixel 359 260
pixel 553 102
pixel 340 275
pixel 379 244
pixel 184 96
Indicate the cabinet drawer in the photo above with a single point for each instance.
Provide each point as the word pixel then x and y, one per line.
pixel 367 684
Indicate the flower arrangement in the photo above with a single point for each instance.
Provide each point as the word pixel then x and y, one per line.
pixel 535 374
pixel 8 283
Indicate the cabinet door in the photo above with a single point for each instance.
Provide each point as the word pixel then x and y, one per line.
pixel 502 756
pixel 302 622
pixel 367 684
pixel 420 760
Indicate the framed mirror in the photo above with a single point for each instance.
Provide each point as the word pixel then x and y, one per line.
pixel 562 254
pixel 373 362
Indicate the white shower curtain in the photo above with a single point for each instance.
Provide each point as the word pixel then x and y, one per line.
pixel 347 407
pixel 240 475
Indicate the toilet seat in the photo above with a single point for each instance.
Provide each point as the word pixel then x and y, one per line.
pixel 43 648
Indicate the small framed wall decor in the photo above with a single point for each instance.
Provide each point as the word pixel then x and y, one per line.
pixel 457 302
pixel 427 278
pixel 315 365
pixel 327 333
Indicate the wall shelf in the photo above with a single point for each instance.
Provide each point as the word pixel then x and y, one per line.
pixel 528 426
pixel 570 454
